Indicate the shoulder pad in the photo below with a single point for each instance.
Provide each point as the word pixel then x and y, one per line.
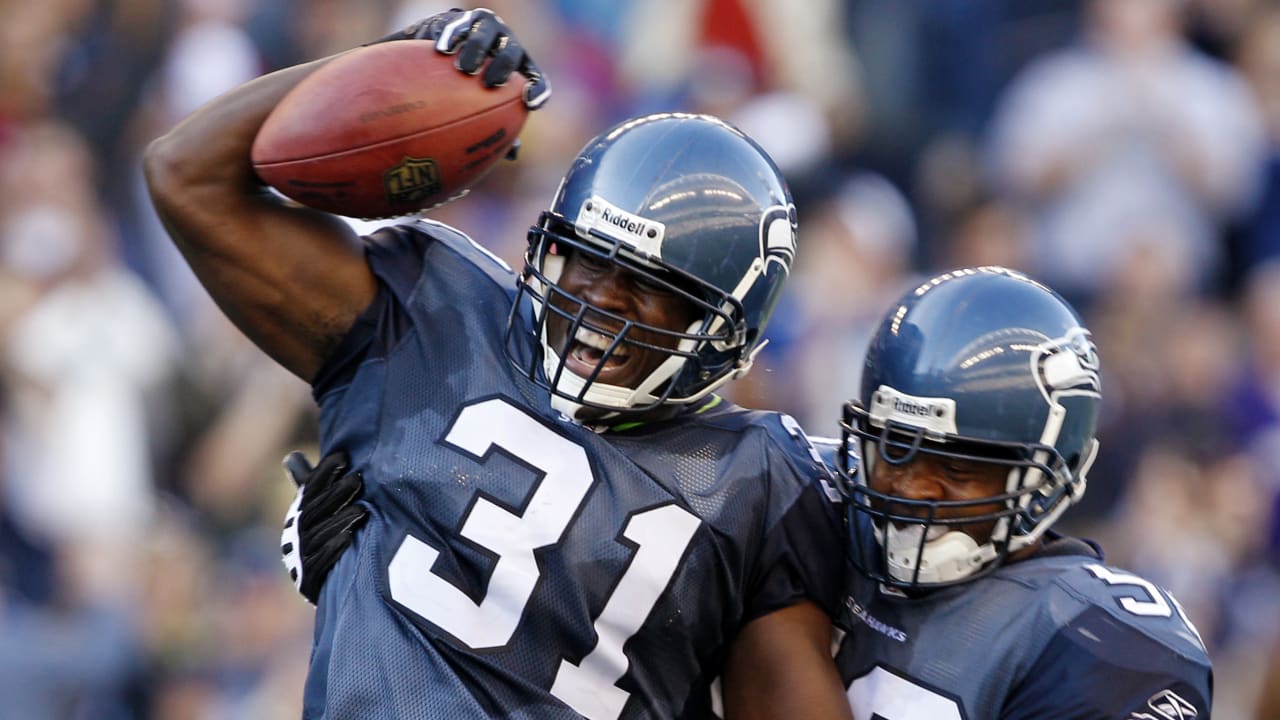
pixel 398 252
pixel 1128 598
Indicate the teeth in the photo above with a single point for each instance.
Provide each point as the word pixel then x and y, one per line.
pixel 595 340
pixel 592 339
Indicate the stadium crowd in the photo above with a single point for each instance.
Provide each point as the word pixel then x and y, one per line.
pixel 1127 153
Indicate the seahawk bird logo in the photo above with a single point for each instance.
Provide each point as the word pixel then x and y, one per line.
pixel 1067 365
pixel 778 237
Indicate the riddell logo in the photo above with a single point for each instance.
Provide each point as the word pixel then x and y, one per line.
pixel 935 415
pixel 641 234
pixel 911 408
pixel 623 221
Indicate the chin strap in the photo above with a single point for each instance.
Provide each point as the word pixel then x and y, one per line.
pixel 951 556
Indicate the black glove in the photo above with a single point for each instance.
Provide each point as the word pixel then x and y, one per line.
pixel 320 523
pixel 475 36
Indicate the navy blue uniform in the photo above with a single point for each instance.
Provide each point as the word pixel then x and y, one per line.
pixel 1056 635
pixel 517 564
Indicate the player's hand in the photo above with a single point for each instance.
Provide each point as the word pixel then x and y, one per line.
pixel 320 523
pixel 476 36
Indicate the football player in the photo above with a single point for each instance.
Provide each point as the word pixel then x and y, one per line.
pixel 975 429
pixel 563 519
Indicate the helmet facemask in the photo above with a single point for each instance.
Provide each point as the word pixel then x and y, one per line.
pixel 932 543
pixel 684 203
pixel 698 358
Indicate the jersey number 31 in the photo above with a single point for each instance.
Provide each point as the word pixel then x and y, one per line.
pixel 660 536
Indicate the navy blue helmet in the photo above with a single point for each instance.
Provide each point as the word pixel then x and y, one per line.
pixel 689 203
pixel 981 364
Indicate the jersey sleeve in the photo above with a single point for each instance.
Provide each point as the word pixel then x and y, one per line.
pixel 802 554
pixel 397 258
pixel 1097 666
pixel 408 261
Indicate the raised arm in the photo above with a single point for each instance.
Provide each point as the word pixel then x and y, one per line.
pixel 291 278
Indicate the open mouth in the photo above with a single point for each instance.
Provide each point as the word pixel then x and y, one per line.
pixel 588 351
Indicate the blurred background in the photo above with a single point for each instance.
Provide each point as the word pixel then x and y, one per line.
pixel 1127 152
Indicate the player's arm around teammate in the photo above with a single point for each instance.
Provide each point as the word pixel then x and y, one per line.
pixel 780 666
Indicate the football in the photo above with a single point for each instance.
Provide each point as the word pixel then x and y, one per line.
pixel 387 130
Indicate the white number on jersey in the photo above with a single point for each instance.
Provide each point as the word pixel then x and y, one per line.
pixel 1152 603
pixel 660 535
pixel 887 696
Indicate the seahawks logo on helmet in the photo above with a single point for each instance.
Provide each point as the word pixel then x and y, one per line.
pixel 1067 365
pixel 778 237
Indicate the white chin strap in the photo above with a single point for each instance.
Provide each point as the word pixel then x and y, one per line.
pixel 951 556
pixel 571 384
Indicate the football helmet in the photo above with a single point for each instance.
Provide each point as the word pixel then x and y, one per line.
pixel 686 202
pixel 979 364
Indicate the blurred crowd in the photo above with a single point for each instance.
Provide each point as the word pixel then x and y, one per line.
pixel 1126 152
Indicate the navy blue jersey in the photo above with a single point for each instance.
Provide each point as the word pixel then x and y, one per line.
pixel 1056 635
pixel 517 564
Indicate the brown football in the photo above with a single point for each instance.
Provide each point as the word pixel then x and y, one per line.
pixel 387 130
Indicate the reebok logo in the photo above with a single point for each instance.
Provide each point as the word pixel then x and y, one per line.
pixel 1166 705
